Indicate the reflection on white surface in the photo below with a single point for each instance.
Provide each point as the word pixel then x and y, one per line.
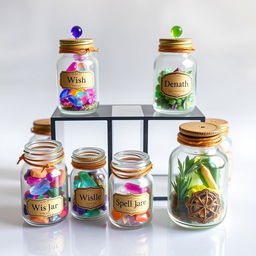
pixel 52 241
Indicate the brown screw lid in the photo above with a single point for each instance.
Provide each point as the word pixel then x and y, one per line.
pixel 42 127
pixel 223 124
pixel 199 134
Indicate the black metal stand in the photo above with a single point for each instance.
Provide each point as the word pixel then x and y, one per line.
pixel 105 112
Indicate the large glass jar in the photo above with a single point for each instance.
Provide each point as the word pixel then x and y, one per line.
pixel 226 143
pixel 130 189
pixel 77 74
pixel 175 77
pixel 44 193
pixel 88 184
pixel 197 182
pixel 41 130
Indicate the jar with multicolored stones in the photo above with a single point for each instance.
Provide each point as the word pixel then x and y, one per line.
pixel 44 190
pixel 198 177
pixel 174 85
pixel 226 143
pixel 77 76
pixel 88 182
pixel 130 189
pixel 41 130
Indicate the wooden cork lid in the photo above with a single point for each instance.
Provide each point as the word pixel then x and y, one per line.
pixel 42 127
pixel 199 134
pixel 223 124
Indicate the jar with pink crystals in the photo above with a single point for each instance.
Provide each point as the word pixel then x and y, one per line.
pixel 77 75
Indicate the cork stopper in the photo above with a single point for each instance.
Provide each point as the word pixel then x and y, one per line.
pixel 223 124
pixel 199 134
pixel 42 127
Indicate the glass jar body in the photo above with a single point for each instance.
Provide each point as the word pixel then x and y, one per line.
pixel 44 194
pixel 197 186
pixel 226 147
pixel 77 83
pixel 174 86
pixel 123 195
pixel 89 193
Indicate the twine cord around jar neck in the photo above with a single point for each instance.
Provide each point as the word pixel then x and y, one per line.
pixel 130 164
pixel 42 154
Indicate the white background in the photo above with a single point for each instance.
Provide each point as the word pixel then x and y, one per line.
pixel 127 34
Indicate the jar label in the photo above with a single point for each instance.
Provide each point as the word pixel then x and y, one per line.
pixel 132 203
pixel 176 85
pixel 76 79
pixel 45 207
pixel 89 198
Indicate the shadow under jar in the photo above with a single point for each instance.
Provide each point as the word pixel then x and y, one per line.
pixel 175 77
pixel 197 186
pixel 89 184
pixel 44 192
pixel 77 72
pixel 130 189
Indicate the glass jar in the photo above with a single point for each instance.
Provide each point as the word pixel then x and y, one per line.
pixel 77 72
pixel 41 130
pixel 175 77
pixel 226 143
pixel 44 193
pixel 130 189
pixel 88 184
pixel 197 181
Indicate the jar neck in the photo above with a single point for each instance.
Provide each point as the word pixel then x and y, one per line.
pixel 131 164
pixel 199 150
pixel 43 152
pixel 183 54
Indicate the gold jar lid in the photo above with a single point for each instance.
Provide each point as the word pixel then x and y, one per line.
pixel 176 45
pixel 42 127
pixel 223 124
pixel 199 134
pixel 77 46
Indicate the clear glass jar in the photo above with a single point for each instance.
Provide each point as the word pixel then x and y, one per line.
pixel 197 182
pixel 174 86
pixel 44 192
pixel 41 130
pixel 226 143
pixel 130 189
pixel 77 72
pixel 88 184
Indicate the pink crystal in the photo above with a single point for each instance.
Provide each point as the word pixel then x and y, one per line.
pixel 72 67
pixel 135 189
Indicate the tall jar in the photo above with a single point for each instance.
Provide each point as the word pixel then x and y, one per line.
pixel 88 184
pixel 197 182
pixel 130 189
pixel 226 143
pixel 44 192
pixel 175 77
pixel 77 74
pixel 41 130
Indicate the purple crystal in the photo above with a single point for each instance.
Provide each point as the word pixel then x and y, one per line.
pixel 76 32
pixel 79 210
pixel 27 174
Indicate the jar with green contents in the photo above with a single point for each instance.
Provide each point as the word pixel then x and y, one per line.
pixel 175 77
pixel 198 177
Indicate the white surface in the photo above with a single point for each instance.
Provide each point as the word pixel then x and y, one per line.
pixel 127 34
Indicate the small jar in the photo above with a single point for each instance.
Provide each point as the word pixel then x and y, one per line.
pixel 44 193
pixel 88 184
pixel 41 130
pixel 226 143
pixel 77 74
pixel 197 189
pixel 130 189
pixel 175 77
